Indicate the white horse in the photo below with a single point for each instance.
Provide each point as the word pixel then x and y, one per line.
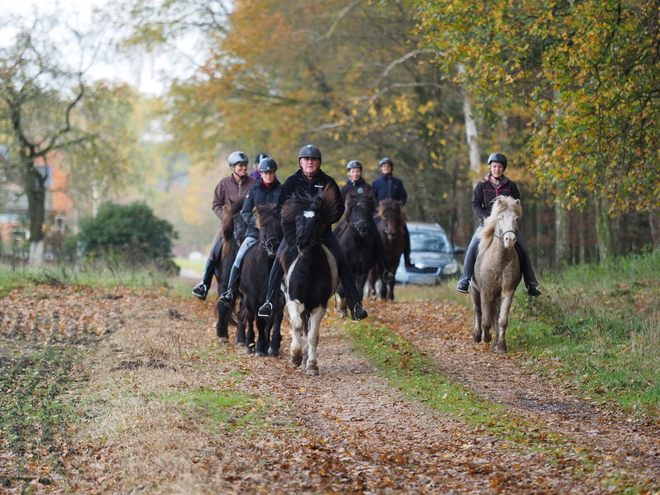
pixel 496 272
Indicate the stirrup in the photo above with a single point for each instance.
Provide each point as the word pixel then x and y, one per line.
pixel 266 310
pixel 200 291
pixel 227 298
pixel 533 291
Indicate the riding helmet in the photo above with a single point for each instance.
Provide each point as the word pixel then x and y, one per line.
pixel 309 151
pixel 260 157
pixel 498 157
pixel 385 160
pixel 267 165
pixel 238 157
pixel 353 164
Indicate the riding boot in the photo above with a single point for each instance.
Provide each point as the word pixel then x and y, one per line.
pixel 227 297
pixel 201 290
pixel 406 249
pixel 468 263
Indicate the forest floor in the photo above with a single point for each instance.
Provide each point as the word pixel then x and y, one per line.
pixel 162 407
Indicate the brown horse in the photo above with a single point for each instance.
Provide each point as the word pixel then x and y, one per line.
pixel 391 223
pixel 496 272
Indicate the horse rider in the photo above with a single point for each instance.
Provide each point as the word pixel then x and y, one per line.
pixel 389 187
pixel 357 186
pixel 228 191
pixel 256 174
pixel 495 184
pixel 311 179
pixel 266 190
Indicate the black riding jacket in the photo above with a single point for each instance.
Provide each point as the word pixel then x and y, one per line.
pixel 357 188
pixel 259 194
pixel 485 192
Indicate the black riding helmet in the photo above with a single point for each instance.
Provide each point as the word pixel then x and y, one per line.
pixel 353 164
pixel 498 157
pixel 260 157
pixel 267 165
pixel 385 160
pixel 238 157
pixel 309 151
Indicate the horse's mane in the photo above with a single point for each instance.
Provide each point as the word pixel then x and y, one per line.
pixel 500 204
pixel 355 199
pixel 324 203
pixel 229 214
pixel 264 212
pixel 392 206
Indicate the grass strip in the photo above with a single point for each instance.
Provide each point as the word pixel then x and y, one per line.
pixel 416 375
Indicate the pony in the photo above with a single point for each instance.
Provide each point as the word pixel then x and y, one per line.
pixel 391 223
pixel 310 271
pixel 233 233
pixel 253 285
pixel 357 241
pixel 496 272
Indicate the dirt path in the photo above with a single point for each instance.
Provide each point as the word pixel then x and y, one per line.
pixel 345 431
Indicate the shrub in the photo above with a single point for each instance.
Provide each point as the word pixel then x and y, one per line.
pixel 128 234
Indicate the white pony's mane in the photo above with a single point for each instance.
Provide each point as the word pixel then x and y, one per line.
pixel 500 205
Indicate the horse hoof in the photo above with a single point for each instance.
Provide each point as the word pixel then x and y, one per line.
pixel 487 338
pixel 249 350
pixel 296 359
pixel 224 340
pixel 476 337
pixel 501 349
pixel 273 352
pixel 342 314
pixel 241 344
pixel 314 371
pixel 260 354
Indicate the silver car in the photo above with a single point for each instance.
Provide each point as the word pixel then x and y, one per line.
pixel 432 254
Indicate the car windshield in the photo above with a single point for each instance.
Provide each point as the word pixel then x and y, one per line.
pixel 436 242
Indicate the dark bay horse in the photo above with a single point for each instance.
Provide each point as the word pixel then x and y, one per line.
pixel 233 233
pixel 496 273
pixel 357 241
pixel 391 223
pixel 254 283
pixel 310 272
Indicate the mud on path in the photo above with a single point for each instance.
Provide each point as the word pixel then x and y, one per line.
pixel 345 431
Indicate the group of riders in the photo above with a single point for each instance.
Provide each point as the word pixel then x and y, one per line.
pixel 263 187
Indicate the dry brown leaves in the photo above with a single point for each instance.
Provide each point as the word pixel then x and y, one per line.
pixel 345 431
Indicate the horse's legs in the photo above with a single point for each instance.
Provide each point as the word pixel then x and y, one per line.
pixel 313 331
pixel 276 337
pixel 499 345
pixel 221 324
pixel 295 310
pixel 263 329
pixel 343 311
pixel 486 319
pixel 476 301
pixel 390 290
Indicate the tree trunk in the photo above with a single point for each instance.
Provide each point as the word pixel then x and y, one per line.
pixel 562 251
pixel 35 189
pixel 654 222
pixel 604 229
pixel 471 134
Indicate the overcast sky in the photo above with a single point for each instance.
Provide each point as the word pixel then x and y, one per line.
pixel 145 73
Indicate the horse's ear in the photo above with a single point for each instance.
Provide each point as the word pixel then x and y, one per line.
pixel 517 201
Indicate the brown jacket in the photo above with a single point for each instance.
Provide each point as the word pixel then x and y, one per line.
pixel 229 191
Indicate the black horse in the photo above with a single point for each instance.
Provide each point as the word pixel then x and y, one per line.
pixel 357 241
pixel 254 284
pixel 391 223
pixel 310 268
pixel 233 233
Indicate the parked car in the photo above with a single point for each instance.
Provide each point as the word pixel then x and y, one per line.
pixel 432 254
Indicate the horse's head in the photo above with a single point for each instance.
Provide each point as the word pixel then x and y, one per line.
pixel 359 210
pixel 309 215
pixel 270 227
pixel 392 218
pixel 505 214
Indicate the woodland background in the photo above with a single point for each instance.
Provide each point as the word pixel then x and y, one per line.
pixel 568 90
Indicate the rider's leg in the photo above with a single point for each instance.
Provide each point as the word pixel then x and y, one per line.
pixel 468 263
pixel 380 251
pixel 201 290
pixel 353 296
pixel 227 298
pixel 526 266
pixel 274 279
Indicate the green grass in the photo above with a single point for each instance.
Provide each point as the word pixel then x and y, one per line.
pixel 415 374
pixel 597 329
pixel 197 266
